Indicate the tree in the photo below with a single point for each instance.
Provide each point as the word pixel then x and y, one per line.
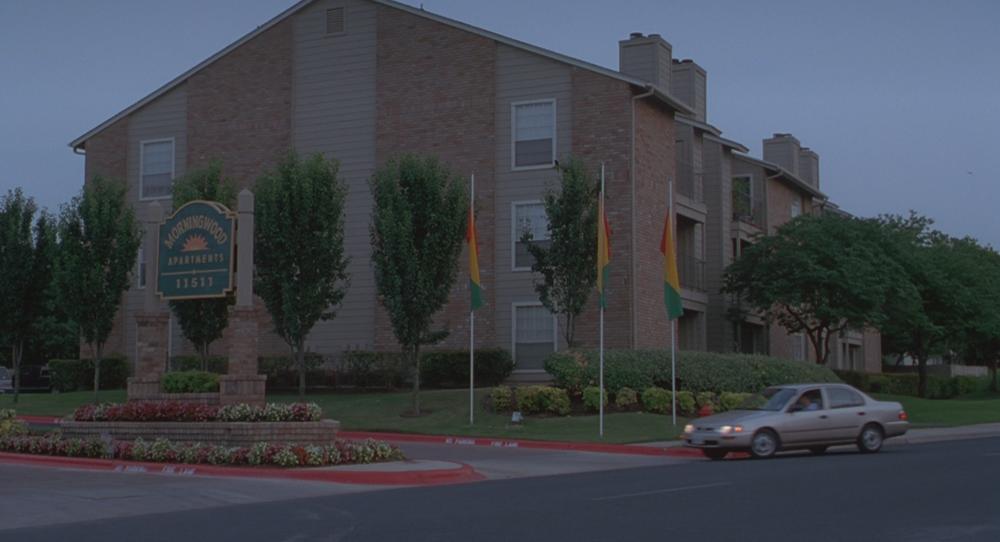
pixel 568 264
pixel 98 243
pixel 418 223
pixel 204 320
pixel 299 254
pixel 26 261
pixel 818 274
pixel 978 341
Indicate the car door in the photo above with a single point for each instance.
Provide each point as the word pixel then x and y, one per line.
pixel 847 412
pixel 803 426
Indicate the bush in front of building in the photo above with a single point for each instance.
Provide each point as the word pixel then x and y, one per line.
pixel 656 400
pixel 543 400
pixel 501 399
pixel 626 399
pixel 367 369
pixel 281 371
pixel 78 374
pixel 592 399
pixel 696 371
pixel 190 382
pixel 212 364
pixel 938 387
pixel 731 401
pixel 10 425
pixel 450 369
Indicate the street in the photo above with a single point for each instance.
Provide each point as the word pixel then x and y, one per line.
pixel 929 492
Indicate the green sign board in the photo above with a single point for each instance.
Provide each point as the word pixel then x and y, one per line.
pixel 195 252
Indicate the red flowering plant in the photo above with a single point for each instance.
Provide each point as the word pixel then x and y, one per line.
pixel 139 411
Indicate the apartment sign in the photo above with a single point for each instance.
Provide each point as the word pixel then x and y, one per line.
pixel 195 252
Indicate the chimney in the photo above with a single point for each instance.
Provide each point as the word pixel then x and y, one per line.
pixel 783 149
pixel 646 58
pixel 688 82
pixel 809 166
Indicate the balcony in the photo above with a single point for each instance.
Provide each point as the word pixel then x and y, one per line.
pixel 691 272
pixel 689 182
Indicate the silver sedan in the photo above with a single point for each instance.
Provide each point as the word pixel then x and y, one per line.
pixel 801 416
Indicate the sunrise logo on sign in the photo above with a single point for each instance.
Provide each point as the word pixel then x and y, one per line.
pixel 195 252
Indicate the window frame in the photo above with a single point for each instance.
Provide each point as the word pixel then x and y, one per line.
pixel 858 397
pixel 513 134
pixel 792 206
pixel 173 166
pixel 513 327
pixel 513 231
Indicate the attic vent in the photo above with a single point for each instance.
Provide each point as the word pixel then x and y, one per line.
pixel 335 21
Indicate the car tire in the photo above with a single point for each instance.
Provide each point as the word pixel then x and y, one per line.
pixel 714 454
pixel 764 444
pixel 817 450
pixel 871 438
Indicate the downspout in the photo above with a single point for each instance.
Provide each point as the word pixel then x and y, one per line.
pixel 650 90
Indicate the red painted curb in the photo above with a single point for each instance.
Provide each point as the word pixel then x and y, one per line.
pixel 461 474
pixel 39 420
pixel 674 451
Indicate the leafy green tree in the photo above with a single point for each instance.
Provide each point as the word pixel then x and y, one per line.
pixel 978 340
pixel 26 261
pixel 568 264
pixel 204 320
pixel 418 222
pixel 99 239
pixel 299 255
pixel 818 274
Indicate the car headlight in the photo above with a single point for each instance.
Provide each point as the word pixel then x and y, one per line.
pixel 727 429
pixel 689 428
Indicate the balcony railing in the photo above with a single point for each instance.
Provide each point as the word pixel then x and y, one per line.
pixel 691 272
pixel 689 182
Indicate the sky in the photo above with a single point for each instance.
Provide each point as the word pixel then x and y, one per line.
pixel 900 98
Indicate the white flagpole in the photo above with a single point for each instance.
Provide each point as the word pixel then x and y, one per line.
pixel 472 313
pixel 673 334
pixel 600 226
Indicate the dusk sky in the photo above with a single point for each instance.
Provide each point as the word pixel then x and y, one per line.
pixel 900 98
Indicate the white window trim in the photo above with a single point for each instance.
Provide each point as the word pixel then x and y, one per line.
pixel 513 232
pixel 513 134
pixel 791 207
pixel 138 269
pixel 173 164
pixel 513 327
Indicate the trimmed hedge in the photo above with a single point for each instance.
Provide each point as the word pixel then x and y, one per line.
pixel 542 399
pixel 502 399
pixel 938 387
pixel 450 369
pixel 215 364
pixel 626 399
pixel 73 374
pixel 696 371
pixel 282 373
pixel 190 382
pixel 592 399
pixel 10 425
pixel 140 411
pixel 367 369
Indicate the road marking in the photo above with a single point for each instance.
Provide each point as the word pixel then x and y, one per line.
pixel 655 491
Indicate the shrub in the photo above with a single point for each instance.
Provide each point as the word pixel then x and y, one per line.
pixel 10 425
pixel 626 399
pixel 731 401
pixel 137 411
pixel 190 382
pixel 502 399
pixel 938 387
pixel 365 369
pixel 686 405
pixel 282 373
pixel 703 398
pixel 656 400
pixel 696 371
pixel 543 399
pixel 72 375
pixel 450 369
pixel 214 364
pixel 592 399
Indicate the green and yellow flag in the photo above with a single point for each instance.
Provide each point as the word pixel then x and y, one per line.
pixel 603 253
pixel 671 283
pixel 475 286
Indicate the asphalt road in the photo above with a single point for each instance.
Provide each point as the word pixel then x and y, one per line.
pixel 913 493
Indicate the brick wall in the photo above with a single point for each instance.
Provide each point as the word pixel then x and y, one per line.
pixel 435 94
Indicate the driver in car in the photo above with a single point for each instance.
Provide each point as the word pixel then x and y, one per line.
pixel 805 403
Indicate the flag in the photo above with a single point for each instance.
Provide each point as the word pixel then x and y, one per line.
pixel 475 286
pixel 603 253
pixel 671 283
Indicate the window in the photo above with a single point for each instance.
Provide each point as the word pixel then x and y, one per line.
pixel 810 400
pixel 528 217
pixel 796 209
pixel 140 270
pixel 742 197
pixel 534 335
pixel 156 164
pixel 335 21
pixel 534 134
pixel 798 346
pixel 844 398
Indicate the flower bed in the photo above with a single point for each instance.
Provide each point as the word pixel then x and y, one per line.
pixel 163 451
pixel 189 412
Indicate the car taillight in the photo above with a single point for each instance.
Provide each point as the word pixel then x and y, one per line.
pixel 903 416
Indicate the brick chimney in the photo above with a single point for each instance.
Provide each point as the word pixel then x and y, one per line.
pixel 784 150
pixel 809 166
pixel 646 58
pixel 688 82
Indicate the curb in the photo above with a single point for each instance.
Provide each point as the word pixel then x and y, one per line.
pixel 461 473
pixel 627 449
pixel 40 420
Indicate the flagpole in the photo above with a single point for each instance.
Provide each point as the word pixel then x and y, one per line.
pixel 673 333
pixel 603 291
pixel 472 315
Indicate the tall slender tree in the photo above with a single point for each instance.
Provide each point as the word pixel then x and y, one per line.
pixel 299 256
pixel 99 240
pixel 418 225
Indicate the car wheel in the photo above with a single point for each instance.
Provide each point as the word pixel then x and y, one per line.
pixel 714 453
pixel 870 439
pixel 818 450
pixel 764 444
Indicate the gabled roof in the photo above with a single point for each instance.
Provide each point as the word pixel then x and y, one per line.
pixel 661 94
pixel 711 132
pixel 785 174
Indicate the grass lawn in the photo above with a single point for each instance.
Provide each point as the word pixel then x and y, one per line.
pixel 966 410
pixel 56 404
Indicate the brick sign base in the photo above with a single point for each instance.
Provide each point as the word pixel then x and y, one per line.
pixel 219 433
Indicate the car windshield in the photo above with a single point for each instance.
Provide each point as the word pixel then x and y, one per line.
pixel 772 399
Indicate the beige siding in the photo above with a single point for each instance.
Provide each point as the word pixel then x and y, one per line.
pixel 334 113
pixel 718 242
pixel 522 76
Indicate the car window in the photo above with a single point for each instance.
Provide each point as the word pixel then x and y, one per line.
pixel 844 398
pixel 809 400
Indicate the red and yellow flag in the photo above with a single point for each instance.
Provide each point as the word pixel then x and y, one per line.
pixel 603 253
pixel 671 282
pixel 475 286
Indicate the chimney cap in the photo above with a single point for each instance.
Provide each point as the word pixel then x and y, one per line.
pixel 655 36
pixel 635 35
